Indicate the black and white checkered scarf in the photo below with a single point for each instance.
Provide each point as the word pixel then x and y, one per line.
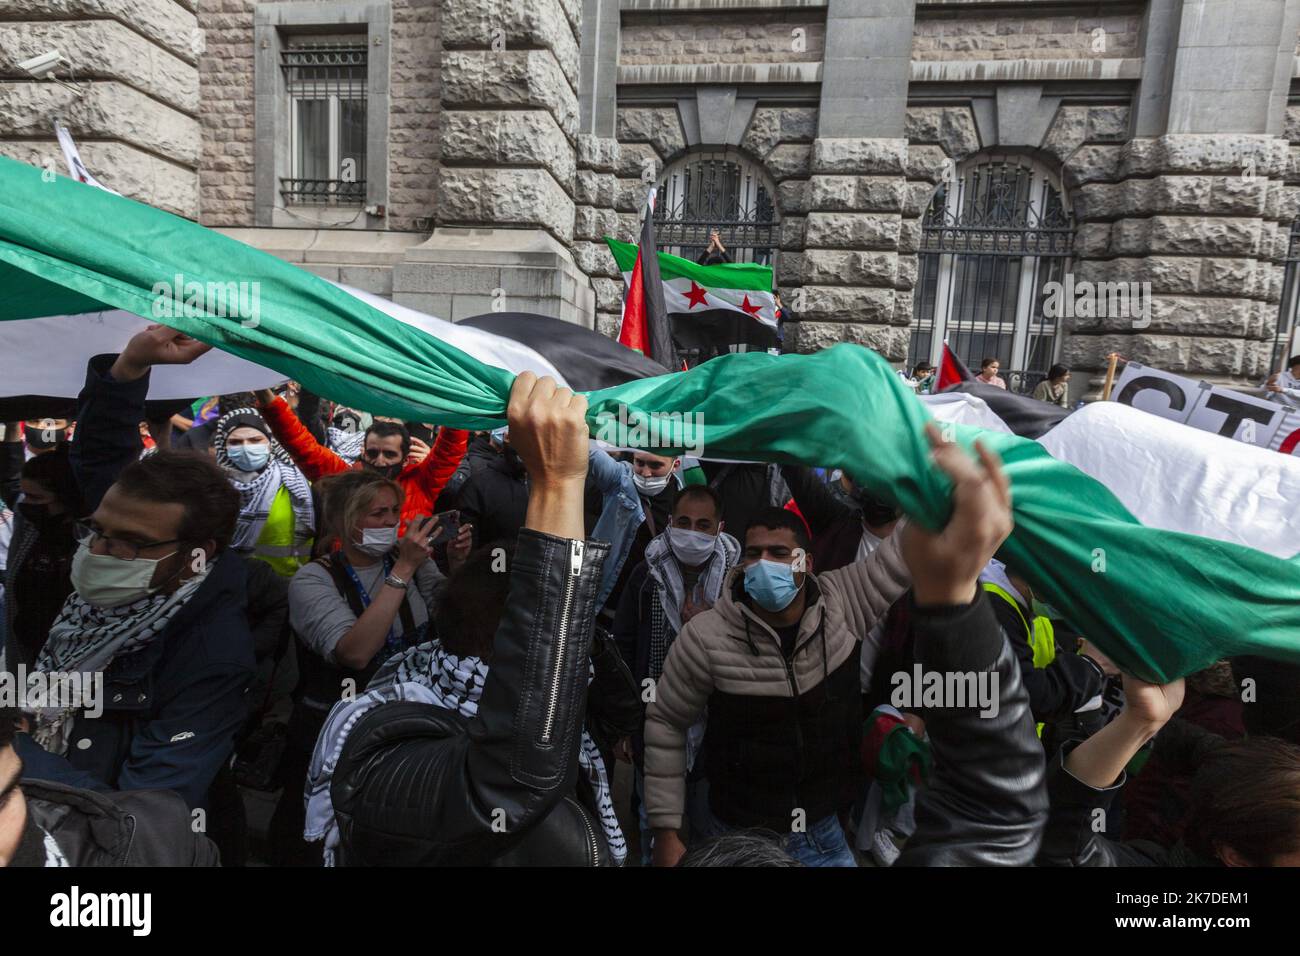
pixel 87 639
pixel 428 674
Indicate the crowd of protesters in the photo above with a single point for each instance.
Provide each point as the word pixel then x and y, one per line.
pixel 432 647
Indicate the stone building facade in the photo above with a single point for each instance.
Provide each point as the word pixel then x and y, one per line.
pixel 915 170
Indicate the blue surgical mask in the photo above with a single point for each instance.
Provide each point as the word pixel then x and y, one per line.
pixel 771 584
pixel 249 457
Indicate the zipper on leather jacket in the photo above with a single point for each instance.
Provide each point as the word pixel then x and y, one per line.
pixel 562 636
pixel 591 833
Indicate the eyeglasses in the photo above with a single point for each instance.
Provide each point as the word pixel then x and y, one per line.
pixel 88 534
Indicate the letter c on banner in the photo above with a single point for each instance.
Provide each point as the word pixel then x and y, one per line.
pixel 1177 400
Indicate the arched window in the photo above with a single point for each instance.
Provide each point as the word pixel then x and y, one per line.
pixel 993 237
pixel 1287 342
pixel 722 190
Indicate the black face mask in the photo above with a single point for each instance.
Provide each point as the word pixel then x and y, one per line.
pixel 40 517
pixel 388 471
pixel 874 511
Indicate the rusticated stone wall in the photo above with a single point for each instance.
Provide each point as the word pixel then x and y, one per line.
pixel 136 119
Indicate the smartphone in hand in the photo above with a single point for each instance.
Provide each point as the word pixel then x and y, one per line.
pixel 448 529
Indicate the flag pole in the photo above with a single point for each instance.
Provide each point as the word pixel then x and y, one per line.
pixel 1112 362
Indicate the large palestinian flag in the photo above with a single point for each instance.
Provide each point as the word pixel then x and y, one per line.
pixel 690 288
pixel 1160 601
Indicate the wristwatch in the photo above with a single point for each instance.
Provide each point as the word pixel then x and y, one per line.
pixel 393 581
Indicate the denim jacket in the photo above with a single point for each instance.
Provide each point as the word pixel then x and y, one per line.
pixel 620 516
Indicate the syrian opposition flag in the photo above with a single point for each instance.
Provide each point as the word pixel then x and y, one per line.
pixel 1159 601
pixel 952 371
pixel 690 288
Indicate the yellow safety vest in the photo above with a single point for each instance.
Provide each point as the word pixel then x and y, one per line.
pixel 1041 636
pixel 275 545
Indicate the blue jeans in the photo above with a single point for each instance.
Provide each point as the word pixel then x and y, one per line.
pixel 824 843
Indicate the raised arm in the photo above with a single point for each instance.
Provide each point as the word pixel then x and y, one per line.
pixel 441 463
pixel 986 803
pixel 111 406
pixel 312 458
pixel 519 756
pixel 819 507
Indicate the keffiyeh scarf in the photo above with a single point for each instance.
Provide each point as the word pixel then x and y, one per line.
pixel 348 445
pixel 664 569
pixel 257 490
pixel 428 674
pixel 86 640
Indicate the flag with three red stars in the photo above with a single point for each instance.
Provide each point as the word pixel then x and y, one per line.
pixel 694 289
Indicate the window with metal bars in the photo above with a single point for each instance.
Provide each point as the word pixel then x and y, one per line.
pixel 326 84
pixel 1286 342
pixel 722 190
pixel 991 240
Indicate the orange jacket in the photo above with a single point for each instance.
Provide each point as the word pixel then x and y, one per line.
pixel 421 483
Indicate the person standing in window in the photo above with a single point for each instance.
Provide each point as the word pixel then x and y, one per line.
pixel 716 251
pixel 989 373
pixel 1055 389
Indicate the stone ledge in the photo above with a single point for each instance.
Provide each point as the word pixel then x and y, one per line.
pixel 720 6
pixel 730 74
pixel 1042 71
pixel 329 246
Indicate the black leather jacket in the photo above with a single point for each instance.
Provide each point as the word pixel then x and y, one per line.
pixel 987 802
pixel 127 828
pixel 417 785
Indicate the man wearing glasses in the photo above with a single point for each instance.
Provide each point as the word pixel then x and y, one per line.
pixel 155 632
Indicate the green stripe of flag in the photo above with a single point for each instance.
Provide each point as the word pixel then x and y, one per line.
pixel 749 276
pixel 1160 603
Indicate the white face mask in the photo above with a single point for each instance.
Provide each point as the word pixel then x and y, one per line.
pixel 105 581
pixel 249 457
pixel 691 547
pixel 649 486
pixel 377 542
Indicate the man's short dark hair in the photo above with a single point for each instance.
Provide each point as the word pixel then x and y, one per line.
pixel 700 491
pixel 191 479
pixel 1293 361
pixel 774 518
pixel 387 430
